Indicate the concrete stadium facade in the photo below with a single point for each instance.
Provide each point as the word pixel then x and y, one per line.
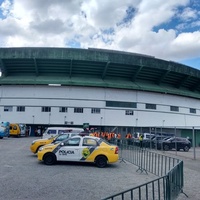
pixel 70 97
pixel 104 88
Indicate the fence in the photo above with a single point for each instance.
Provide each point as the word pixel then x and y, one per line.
pixel 170 171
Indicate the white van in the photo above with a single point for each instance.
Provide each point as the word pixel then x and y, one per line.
pixel 53 131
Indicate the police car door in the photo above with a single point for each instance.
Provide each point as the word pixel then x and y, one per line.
pixel 88 149
pixel 69 151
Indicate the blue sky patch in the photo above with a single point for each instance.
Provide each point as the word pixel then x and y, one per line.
pixel 73 43
pixel 195 63
pixel 130 13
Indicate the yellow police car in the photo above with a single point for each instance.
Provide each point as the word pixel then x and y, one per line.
pixel 36 144
pixel 81 149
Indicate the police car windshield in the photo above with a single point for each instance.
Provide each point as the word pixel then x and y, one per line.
pixel 62 137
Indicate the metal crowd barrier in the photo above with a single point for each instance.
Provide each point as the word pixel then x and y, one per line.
pixel 170 171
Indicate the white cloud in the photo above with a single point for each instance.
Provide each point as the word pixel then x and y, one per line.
pixel 102 24
pixel 186 45
pixel 195 24
pixel 5 7
pixel 188 14
pixel 104 13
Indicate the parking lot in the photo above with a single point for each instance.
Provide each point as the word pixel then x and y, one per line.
pixel 22 176
pixel 191 171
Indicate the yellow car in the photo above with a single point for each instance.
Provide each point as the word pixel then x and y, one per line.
pixel 36 144
pixel 80 149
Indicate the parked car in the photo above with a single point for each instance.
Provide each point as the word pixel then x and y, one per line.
pixel 145 135
pixel 53 131
pixel 80 149
pixel 4 129
pixel 174 143
pixel 146 139
pixel 17 130
pixel 154 141
pixel 36 144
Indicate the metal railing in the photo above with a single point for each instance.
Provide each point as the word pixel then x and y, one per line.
pixel 170 171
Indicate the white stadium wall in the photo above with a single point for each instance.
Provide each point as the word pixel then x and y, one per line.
pixel 33 97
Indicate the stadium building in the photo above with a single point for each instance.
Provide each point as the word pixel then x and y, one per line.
pixel 102 89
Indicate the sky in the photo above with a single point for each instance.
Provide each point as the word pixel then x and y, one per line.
pixel 166 29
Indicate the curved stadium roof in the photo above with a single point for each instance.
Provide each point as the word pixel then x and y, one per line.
pixel 97 67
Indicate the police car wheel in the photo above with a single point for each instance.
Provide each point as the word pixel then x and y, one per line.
pixel 49 159
pixel 101 161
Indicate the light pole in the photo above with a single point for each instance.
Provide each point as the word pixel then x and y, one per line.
pixel 101 123
pixel 163 122
pixel 65 119
pixel 49 118
pixel 136 124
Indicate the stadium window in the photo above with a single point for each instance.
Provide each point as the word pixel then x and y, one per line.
pixel 78 110
pixel 151 106
pixel 8 108
pixel 46 109
pixel 121 104
pixel 20 108
pixel 63 109
pixel 129 112
pixel 192 110
pixel 96 110
pixel 174 108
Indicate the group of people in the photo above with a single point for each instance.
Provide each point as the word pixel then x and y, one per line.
pixel 111 136
pixel 129 138
pixel 38 132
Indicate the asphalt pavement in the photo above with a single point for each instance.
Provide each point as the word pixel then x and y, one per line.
pixel 23 177
pixel 191 161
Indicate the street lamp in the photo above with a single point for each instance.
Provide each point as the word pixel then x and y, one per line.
pixel 101 123
pixel 163 123
pixel 49 118
pixel 65 119
pixel 136 122
pixel 33 118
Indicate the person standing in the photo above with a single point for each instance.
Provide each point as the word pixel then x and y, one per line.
pixel 109 137
pixel 141 141
pixel 39 132
pixel 118 139
pixel 129 137
pixel 36 132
